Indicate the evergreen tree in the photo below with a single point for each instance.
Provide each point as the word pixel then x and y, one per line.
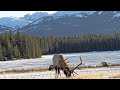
pixel 16 52
pixel 1 54
pixel 9 50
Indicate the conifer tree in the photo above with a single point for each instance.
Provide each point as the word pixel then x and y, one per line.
pixel 1 54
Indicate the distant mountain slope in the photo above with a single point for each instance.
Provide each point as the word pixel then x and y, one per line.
pixel 65 23
pixel 75 24
pixel 16 23
pixel 34 16
pixel 13 22
pixel 4 28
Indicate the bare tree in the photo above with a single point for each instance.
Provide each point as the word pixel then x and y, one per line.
pixel 60 63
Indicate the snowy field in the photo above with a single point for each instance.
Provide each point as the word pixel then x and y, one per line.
pixel 51 74
pixel 43 62
pixel 89 58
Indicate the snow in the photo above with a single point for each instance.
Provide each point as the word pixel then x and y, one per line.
pixel 79 15
pixel 51 74
pixel 34 16
pixel 13 22
pixel 100 12
pixel 26 63
pixel 95 58
pixel 37 17
pixel 117 15
pixel 36 21
pixel 88 58
pixel 62 13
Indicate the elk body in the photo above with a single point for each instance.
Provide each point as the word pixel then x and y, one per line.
pixel 59 63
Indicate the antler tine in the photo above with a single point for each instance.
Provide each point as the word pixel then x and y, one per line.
pixel 76 73
pixel 81 60
pixel 78 64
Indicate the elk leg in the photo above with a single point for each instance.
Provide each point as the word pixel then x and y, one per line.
pixel 55 72
pixel 59 72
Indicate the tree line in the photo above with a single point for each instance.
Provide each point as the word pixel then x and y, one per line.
pixel 83 43
pixel 18 45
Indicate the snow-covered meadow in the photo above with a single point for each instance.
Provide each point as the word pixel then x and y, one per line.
pixel 106 72
pixel 89 58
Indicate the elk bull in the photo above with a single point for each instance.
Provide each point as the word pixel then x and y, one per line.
pixel 60 63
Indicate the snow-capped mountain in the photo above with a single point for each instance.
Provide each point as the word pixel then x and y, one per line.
pixel 75 23
pixel 69 13
pixel 61 14
pixel 16 23
pixel 13 22
pixel 34 16
pixel 66 22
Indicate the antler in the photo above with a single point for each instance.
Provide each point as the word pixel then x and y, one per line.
pixel 78 64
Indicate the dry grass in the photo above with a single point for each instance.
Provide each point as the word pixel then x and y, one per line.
pixel 98 67
pixel 117 76
pixel 22 70
pixel 94 76
pixel 87 76
pixel 25 70
pixel 98 75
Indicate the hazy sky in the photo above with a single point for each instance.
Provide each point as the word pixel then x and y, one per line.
pixel 19 13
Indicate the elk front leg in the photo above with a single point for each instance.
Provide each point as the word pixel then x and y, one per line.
pixel 55 72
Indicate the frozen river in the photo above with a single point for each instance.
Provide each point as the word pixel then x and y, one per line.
pixel 89 58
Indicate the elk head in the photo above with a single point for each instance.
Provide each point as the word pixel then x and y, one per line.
pixel 68 72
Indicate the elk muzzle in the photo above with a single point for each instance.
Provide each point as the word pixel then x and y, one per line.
pixel 67 73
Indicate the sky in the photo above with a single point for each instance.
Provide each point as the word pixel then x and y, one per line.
pixel 20 13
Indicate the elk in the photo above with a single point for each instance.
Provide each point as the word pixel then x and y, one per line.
pixel 60 63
